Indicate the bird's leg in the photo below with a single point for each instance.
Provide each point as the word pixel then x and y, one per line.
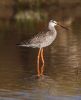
pixel 42 57
pixel 38 67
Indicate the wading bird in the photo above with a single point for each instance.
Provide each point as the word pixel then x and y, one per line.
pixel 41 40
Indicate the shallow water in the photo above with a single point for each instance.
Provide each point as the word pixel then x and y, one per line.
pixel 62 75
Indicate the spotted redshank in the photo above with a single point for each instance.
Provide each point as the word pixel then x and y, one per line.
pixel 41 40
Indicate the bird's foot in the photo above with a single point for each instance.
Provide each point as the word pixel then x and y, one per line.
pixel 38 74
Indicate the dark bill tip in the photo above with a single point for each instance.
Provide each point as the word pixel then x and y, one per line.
pixel 63 27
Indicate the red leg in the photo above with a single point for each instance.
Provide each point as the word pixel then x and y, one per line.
pixel 42 57
pixel 38 67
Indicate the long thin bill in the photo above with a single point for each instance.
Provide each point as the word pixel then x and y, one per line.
pixel 63 27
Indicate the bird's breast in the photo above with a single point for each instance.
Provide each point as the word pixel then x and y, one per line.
pixel 48 40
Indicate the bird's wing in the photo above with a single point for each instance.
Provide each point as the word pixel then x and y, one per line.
pixel 39 38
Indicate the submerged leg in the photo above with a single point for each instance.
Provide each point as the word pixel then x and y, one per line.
pixel 42 57
pixel 38 59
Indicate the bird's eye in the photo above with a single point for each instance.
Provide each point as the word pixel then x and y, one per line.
pixel 55 22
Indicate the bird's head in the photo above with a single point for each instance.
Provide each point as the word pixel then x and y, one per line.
pixel 53 23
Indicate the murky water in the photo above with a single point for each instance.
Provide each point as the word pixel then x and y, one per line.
pixel 62 76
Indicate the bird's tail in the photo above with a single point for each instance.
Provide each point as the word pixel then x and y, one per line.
pixel 23 45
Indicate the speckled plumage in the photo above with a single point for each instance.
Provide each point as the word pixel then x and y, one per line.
pixel 42 39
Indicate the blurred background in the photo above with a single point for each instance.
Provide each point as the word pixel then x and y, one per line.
pixel 20 20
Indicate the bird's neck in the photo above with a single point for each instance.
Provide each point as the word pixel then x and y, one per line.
pixel 52 29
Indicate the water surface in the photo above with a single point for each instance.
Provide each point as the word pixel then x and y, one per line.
pixel 62 76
